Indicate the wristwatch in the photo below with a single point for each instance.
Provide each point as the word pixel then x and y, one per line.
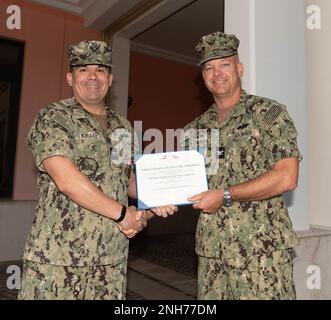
pixel 227 200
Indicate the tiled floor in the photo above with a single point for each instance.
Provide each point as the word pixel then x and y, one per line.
pixel 174 251
pixel 152 281
pixel 160 267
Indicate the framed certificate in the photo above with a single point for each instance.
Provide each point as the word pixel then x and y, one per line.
pixel 169 178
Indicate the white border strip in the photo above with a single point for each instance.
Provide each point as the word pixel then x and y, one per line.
pixel 252 47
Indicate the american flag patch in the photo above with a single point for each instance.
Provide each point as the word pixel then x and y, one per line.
pixel 272 114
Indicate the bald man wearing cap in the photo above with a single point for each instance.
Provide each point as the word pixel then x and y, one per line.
pixel 78 245
pixel 244 236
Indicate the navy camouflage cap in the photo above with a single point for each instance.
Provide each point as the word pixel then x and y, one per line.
pixel 217 45
pixel 89 52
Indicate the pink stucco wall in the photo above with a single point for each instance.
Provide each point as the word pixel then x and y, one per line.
pixel 46 33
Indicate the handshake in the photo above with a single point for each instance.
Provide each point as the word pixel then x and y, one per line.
pixel 135 221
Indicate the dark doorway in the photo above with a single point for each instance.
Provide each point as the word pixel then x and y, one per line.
pixel 11 65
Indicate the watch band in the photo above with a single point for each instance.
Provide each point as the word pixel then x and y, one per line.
pixel 227 200
pixel 122 216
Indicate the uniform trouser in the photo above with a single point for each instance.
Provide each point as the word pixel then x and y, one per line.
pixel 263 277
pixel 50 282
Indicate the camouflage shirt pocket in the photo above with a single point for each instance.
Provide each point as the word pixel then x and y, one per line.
pixel 246 157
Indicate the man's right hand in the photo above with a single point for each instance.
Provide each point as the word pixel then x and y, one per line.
pixel 133 222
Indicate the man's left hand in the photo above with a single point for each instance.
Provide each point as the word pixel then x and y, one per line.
pixel 164 211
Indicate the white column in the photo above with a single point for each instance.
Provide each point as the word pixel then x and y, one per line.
pixel 273 51
pixel 239 19
pixel 120 71
pixel 318 49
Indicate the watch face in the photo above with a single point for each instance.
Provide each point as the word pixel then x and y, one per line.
pixel 227 198
pixel 227 202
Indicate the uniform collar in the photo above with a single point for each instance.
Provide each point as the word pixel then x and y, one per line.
pixel 210 118
pixel 240 107
pixel 78 110
pixel 81 113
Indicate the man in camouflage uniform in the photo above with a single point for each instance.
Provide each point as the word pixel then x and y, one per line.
pixel 244 235
pixel 78 246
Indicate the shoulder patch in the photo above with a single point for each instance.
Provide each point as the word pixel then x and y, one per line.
pixel 62 121
pixel 272 114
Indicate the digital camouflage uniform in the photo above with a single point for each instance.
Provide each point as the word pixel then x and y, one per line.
pixel 245 250
pixel 63 233
pixel 73 253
